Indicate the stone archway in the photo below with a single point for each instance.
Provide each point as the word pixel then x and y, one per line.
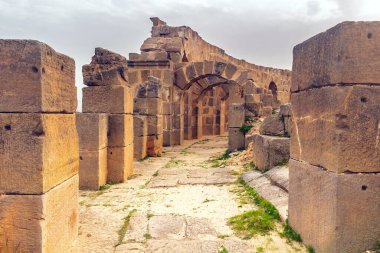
pixel 199 77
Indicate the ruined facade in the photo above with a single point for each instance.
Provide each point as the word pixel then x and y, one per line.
pixel 38 149
pixel 199 82
pixel 334 185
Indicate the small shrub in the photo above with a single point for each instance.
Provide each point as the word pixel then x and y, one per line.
pixel 252 223
pixel 245 128
pixel 310 249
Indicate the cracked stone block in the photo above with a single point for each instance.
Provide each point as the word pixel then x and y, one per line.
pixel 337 128
pixel 107 99
pixel 92 169
pixel 92 131
pixel 273 125
pixel 37 151
pixel 167 227
pixel 41 223
pixel 347 53
pixel 236 139
pixel 120 163
pixel 35 78
pixel 334 212
pixel 269 150
pixel 120 130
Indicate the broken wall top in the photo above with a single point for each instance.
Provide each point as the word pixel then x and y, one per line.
pixel 348 53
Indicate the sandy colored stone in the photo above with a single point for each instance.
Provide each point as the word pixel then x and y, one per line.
pixel 347 53
pixel 92 169
pixel 155 124
pixel 273 125
pixel 37 151
pixel 92 131
pixel 167 227
pixel 154 145
pixel 286 110
pixel 334 212
pixel 140 147
pixel 140 126
pixel 337 128
pixel 236 139
pixel 147 106
pixel 106 68
pixel 41 223
pixel 269 150
pixel 236 115
pixel 35 78
pixel 120 130
pixel 120 163
pixel 107 99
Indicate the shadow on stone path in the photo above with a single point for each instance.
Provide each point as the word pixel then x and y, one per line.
pixel 179 202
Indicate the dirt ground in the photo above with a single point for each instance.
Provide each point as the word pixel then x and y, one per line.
pixel 180 202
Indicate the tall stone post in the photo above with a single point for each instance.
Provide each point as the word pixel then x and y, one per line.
pixel 108 92
pixel 148 108
pixel 178 120
pixel 38 149
pixel 334 195
pixel 236 119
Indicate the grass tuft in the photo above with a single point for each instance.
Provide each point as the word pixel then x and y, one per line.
pixel 123 229
pixel 223 250
pixel 310 249
pixel 290 234
pixel 174 163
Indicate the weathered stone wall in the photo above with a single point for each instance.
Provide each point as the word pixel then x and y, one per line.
pixel 106 120
pixel 38 149
pixel 334 195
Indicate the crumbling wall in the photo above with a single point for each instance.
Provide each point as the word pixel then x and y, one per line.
pixel 38 149
pixel 106 120
pixel 334 194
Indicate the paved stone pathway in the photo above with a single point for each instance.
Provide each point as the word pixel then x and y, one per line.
pixel 179 202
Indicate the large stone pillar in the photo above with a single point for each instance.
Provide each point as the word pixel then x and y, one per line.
pixel 148 108
pixel 109 93
pixel 236 119
pixel 38 149
pixel 334 195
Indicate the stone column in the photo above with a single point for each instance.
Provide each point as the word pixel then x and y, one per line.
pixel 108 92
pixel 38 149
pixel 200 119
pixel 334 195
pixel 148 107
pixel 236 118
pixel 178 106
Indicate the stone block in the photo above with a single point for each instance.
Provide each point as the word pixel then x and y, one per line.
pixel 35 78
pixel 236 115
pixel 37 151
pixel 120 163
pixel 147 106
pixel 107 99
pixel 154 145
pixel 267 99
pixel 92 131
pixel 252 98
pixel 139 149
pixel 286 110
pixel 155 125
pixel 347 53
pixel 177 136
pixel 267 110
pixel 140 125
pixel 105 74
pixel 41 223
pixel 120 130
pixel 167 138
pixel 236 139
pixel 268 151
pixel 166 108
pixel 255 108
pixel 92 169
pixel 334 212
pixel 337 128
pixel 273 125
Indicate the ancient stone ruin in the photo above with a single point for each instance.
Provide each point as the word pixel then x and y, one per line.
pixel 39 153
pixel 323 118
pixel 334 187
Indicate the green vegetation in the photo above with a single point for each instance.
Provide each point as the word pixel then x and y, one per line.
pixel 250 166
pixel 123 229
pixel 155 174
pixel 290 234
pixel 252 223
pixel 223 250
pixel 310 249
pixel 245 128
pixel 282 163
pixel 147 236
pixel 376 247
pixel 104 187
pixel 217 161
pixel 174 163
pixel 260 250
pixel 262 203
pixel 145 158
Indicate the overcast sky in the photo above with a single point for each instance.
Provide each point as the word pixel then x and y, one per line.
pixel 262 32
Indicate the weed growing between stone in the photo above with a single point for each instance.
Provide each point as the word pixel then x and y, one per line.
pixel 223 250
pixel 174 163
pixel 123 229
pixel 282 163
pixel 310 249
pixel 290 234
